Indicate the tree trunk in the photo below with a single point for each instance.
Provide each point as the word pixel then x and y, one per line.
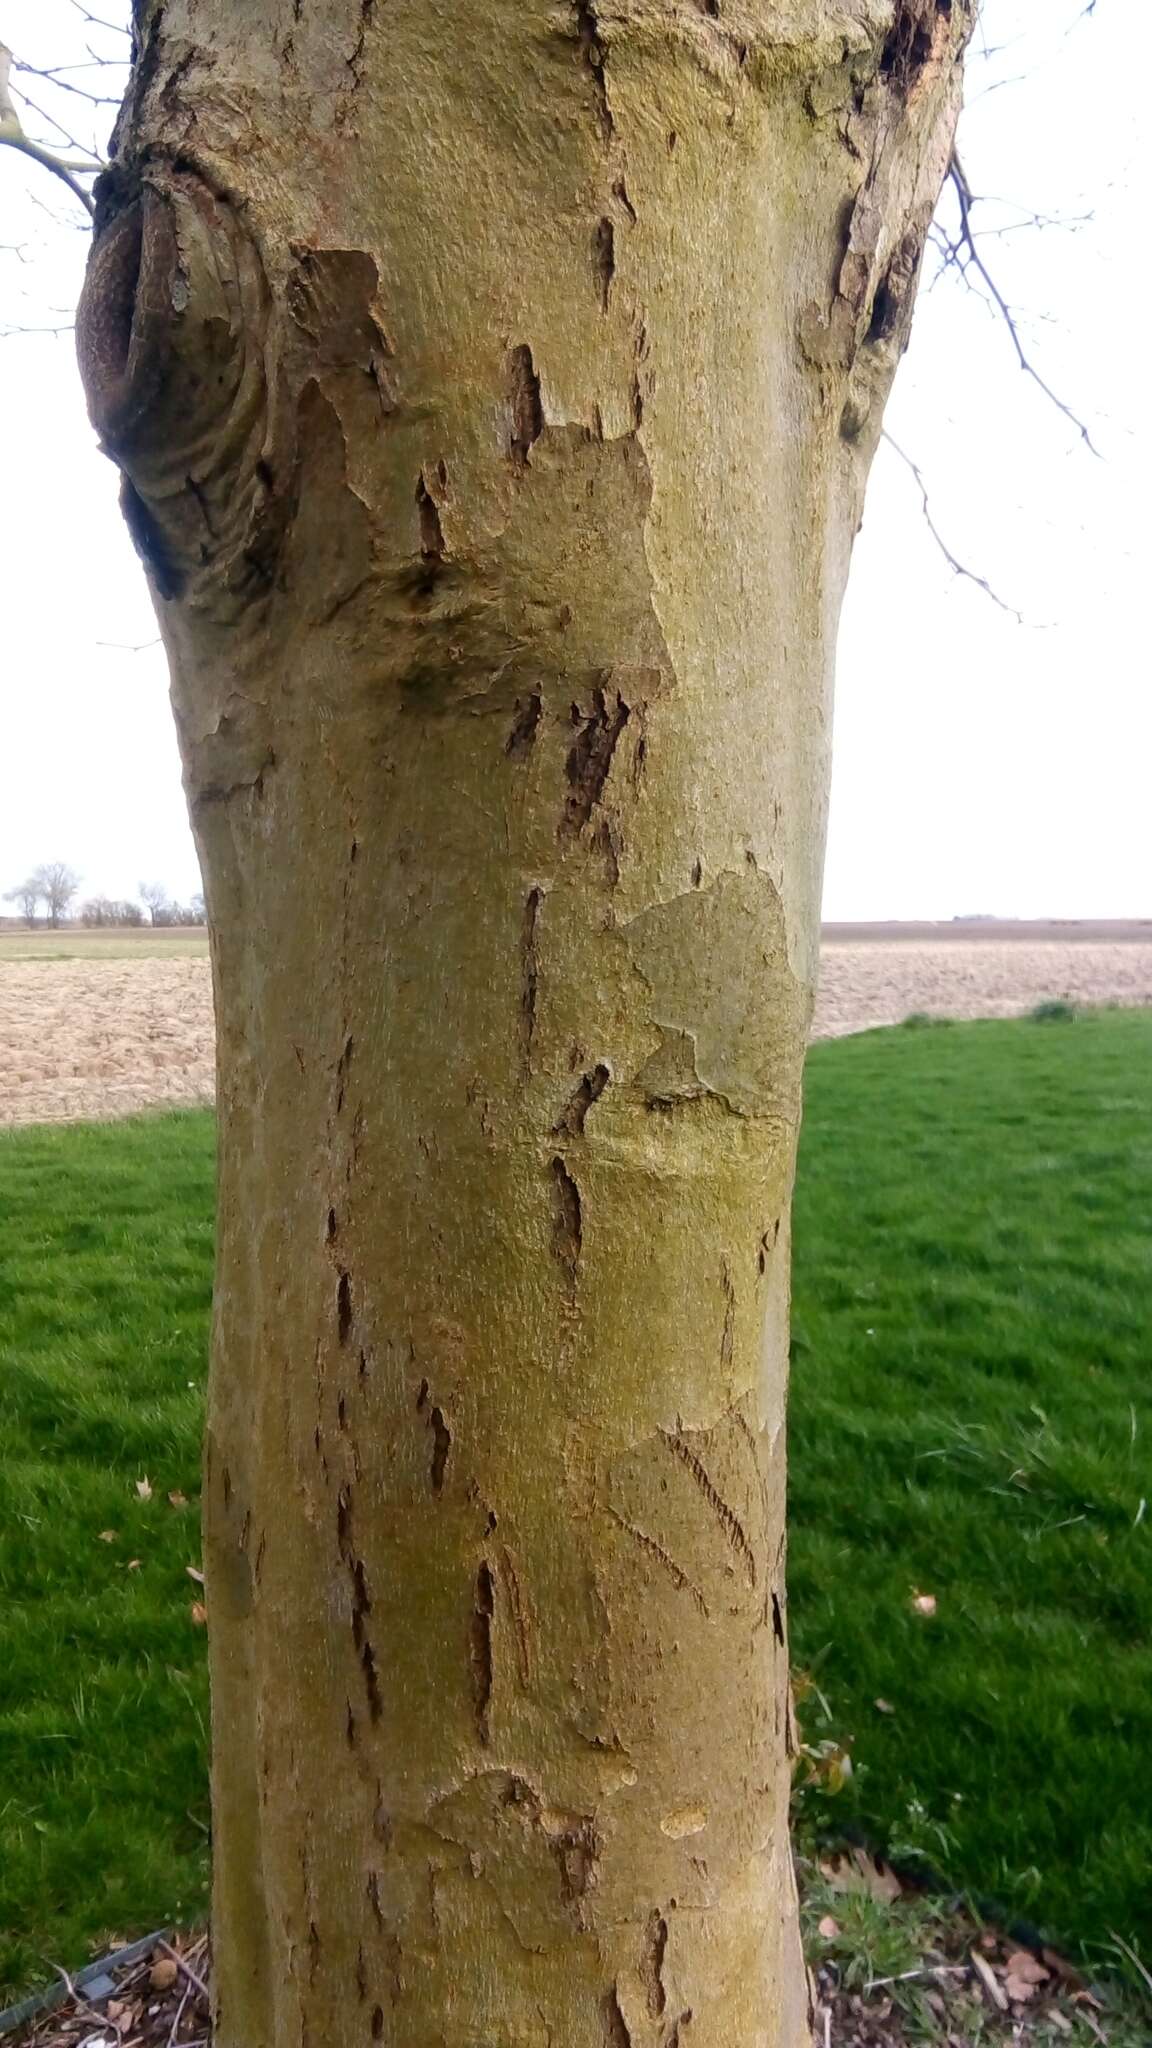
pixel 494 386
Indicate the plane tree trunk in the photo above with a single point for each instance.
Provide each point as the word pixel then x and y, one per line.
pixel 494 385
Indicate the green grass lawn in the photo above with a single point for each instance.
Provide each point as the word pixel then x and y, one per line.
pixel 973 1251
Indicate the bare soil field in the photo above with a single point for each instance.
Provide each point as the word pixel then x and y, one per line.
pixel 95 1025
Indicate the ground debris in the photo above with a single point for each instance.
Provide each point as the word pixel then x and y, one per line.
pixel 890 1972
pixel 161 1999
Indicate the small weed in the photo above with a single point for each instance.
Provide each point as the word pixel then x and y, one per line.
pixel 1054 1011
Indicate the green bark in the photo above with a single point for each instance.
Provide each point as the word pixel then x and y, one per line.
pixel 494 387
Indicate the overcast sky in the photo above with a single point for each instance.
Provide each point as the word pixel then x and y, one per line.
pixel 981 765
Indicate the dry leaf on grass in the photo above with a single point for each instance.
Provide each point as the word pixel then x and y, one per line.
pixel 828 1927
pixel 857 1871
pixel 923 1603
pixel 199 1613
pixel 108 1536
pixel 194 1572
pixel 133 1564
pixel 144 1488
pixel 1027 1967
pixel 884 1706
pixel 178 1499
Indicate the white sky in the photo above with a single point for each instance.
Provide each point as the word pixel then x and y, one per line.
pixel 981 766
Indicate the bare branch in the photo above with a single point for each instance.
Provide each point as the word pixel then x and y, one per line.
pixel 957 567
pixel 12 134
pixel 962 254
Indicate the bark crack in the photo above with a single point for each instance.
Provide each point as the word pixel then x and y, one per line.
pixel 593 54
pixel 567 1227
pixel 652 1963
pixel 480 1649
pixel 728 1519
pixel 524 398
pixel 660 1556
pixel 590 759
pixel 616 2034
pixel 522 737
pixel 571 1122
pixel 529 977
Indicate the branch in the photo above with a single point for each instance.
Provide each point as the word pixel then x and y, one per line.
pixel 12 133
pixel 957 567
pixel 962 254
pixel 115 28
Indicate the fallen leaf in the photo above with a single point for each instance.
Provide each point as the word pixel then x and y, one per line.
pixel 108 1536
pixel 178 1499
pixel 1023 1964
pixel 988 1979
pixel 1019 1989
pixel 828 1927
pixel 194 1572
pixel 116 2008
pixel 884 1706
pixel 199 1613
pixel 144 1489
pixel 163 1974
pixel 857 1871
pixel 133 1564
pixel 923 1603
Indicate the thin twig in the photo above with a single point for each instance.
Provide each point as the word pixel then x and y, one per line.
pixel 928 1970
pixel 175 2029
pixel 958 567
pixel 80 2003
pixel 187 1969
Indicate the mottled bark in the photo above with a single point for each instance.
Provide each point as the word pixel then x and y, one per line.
pixel 494 387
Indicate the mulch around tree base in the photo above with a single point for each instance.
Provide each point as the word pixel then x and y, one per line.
pixel 974 1988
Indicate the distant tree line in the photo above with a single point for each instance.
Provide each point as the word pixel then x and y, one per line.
pixel 54 888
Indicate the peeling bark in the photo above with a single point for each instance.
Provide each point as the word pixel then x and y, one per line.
pixel 494 388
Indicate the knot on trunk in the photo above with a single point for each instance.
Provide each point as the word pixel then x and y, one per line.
pixel 169 338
